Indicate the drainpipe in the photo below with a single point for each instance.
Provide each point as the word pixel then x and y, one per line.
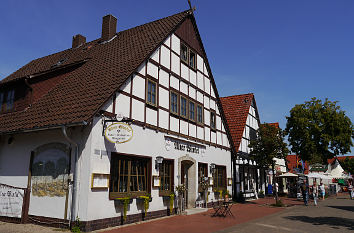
pixel 75 176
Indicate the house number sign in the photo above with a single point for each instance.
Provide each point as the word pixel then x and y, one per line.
pixel 119 133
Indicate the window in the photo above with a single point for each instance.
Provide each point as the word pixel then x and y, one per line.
pixel 202 173
pixel 219 177
pixel 10 99
pixel 184 53
pixel 192 59
pixel 151 92
pixel 174 103
pixel 191 111
pixel 166 177
pixel 129 175
pixel 188 56
pixel 200 114
pixel 212 120
pixel 183 107
pixel 1 100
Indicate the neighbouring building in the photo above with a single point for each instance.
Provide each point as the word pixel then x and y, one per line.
pixel 128 115
pixel 243 120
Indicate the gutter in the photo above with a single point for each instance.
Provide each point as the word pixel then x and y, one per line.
pixel 74 202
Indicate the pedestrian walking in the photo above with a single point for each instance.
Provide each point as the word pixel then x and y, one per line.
pixel 323 191
pixel 305 192
pixel 315 193
pixel 350 189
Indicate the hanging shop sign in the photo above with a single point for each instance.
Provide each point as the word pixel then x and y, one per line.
pixel 119 133
pixel 11 201
pixel 181 145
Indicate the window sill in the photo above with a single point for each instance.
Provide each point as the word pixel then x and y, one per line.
pixel 113 196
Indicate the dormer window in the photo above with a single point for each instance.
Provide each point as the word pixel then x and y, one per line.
pixel 10 100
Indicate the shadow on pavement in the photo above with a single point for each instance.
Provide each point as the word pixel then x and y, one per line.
pixel 334 222
pixel 348 208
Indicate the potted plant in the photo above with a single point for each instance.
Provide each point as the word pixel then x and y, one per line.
pixel 146 199
pixel 124 201
pixel 261 194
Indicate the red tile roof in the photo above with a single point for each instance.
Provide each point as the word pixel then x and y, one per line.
pixel 79 95
pixel 236 109
pixel 340 158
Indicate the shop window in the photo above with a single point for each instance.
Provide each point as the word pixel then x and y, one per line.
pixel 166 177
pixel 10 100
pixel 212 120
pixel 151 92
pixel 219 178
pixel 192 59
pixel 129 175
pixel 202 173
pixel 191 110
pixel 183 110
pixel 184 53
pixel 200 114
pixel 174 102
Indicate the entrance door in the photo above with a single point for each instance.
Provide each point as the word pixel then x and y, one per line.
pixel 49 181
pixel 184 180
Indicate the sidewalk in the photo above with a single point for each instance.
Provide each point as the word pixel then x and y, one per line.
pixel 203 222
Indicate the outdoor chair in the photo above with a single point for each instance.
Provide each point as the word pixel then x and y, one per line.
pixel 216 207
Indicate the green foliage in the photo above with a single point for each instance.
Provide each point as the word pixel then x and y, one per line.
pixel 172 199
pixel 76 228
pixel 146 199
pixel 268 145
pixel 319 130
pixel 348 165
pixel 125 201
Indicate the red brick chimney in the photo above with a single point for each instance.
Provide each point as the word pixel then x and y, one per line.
pixel 109 27
pixel 78 40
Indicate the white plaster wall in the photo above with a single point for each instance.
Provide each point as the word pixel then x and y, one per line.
pixel 184 72
pixel 138 110
pixel 200 81
pixel 163 119
pixel 142 69
pixel 206 102
pixel 192 93
pixel 207 85
pixel 151 116
pixel 164 98
pixel 199 96
pixel 165 57
pixel 126 87
pixel 192 130
pixel 156 55
pixel 167 42
pixel 200 132
pixel 184 88
pixel 207 134
pixel 192 77
pixel 174 82
pixel 99 205
pixel 139 87
pixel 199 63
pixel 175 63
pixel 174 124
pixel 184 127
pixel 176 44
pixel 123 104
pixel 164 78
pixel 152 70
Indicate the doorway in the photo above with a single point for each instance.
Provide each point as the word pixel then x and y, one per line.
pixel 188 177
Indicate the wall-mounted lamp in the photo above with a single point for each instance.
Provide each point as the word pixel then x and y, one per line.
pixel 212 168
pixel 158 161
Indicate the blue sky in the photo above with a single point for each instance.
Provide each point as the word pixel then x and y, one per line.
pixel 283 51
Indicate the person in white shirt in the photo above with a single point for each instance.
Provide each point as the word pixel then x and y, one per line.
pixel 323 191
pixel 315 193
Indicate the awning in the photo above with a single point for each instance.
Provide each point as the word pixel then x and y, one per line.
pixel 288 175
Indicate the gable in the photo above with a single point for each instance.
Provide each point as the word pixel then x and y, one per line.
pixel 187 32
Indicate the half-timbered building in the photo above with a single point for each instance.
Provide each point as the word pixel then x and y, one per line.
pixel 129 115
pixel 243 121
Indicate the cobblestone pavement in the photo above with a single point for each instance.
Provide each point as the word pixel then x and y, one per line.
pixel 331 215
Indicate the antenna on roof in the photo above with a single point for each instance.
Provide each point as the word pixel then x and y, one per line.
pixel 192 9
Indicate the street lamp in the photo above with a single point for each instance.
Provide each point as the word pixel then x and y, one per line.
pixel 158 161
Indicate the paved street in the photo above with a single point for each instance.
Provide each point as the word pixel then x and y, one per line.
pixel 332 215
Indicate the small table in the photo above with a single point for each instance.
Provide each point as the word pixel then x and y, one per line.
pixel 224 209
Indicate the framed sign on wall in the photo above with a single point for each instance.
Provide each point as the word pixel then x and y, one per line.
pixel 100 181
pixel 155 181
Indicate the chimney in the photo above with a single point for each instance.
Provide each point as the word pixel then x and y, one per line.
pixel 78 40
pixel 109 27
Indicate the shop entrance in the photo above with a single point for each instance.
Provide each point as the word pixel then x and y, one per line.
pixel 188 175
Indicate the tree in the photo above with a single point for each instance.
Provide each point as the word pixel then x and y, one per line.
pixel 348 165
pixel 319 131
pixel 268 145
